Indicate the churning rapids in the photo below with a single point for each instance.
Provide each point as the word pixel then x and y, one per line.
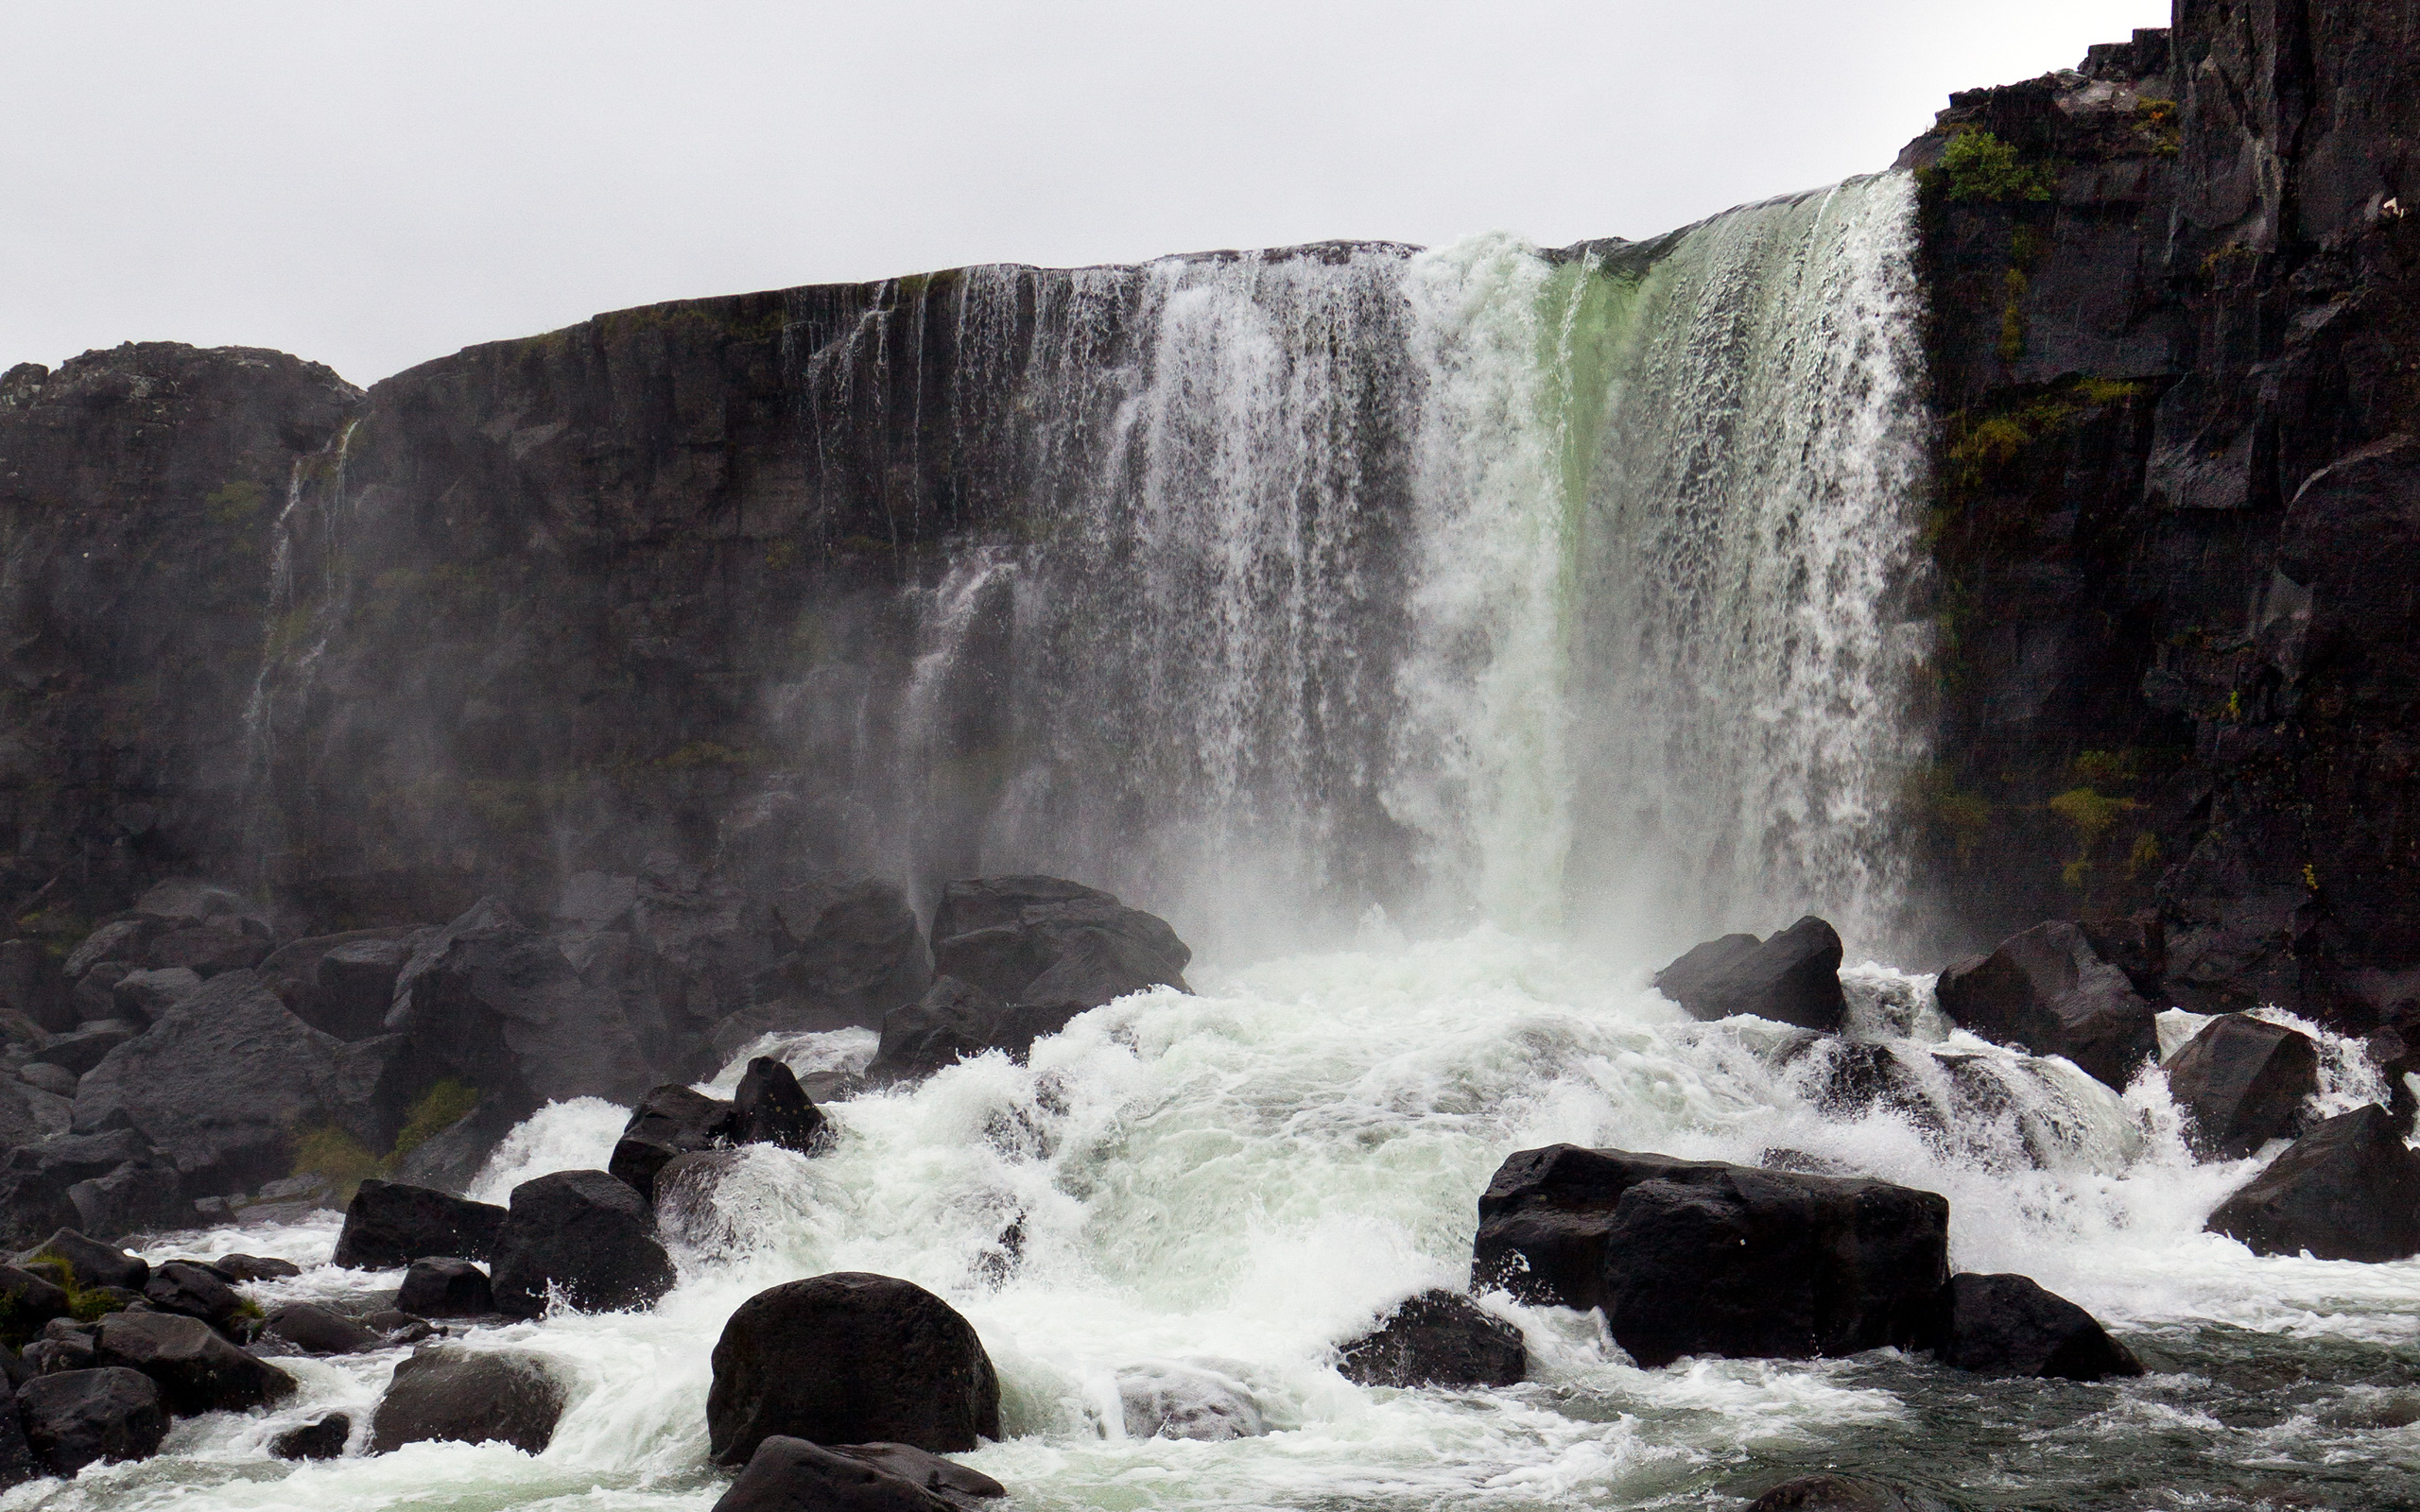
pixel 1653 686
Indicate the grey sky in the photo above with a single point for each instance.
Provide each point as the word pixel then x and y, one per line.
pixel 373 185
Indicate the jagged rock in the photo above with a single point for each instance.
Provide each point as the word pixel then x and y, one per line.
pixel 957 1020
pixel 2048 992
pixel 445 1288
pixel 1164 1400
pixel 770 1107
pixel 242 1267
pixel 398 1327
pixel 94 1263
pixel 194 1291
pixel 1052 943
pixel 859 955
pixel 120 939
pixel 1808 1266
pixel 315 1329
pixel 324 1438
pixel 29 1114
pixel 1794 977
pixel 342 983
pixel 668 1121
pixel 786 1474
pixel 209 947
pixel 17 1461
pixel 686 1207
pixel 197 1369
pixel 77 1417
pixel 58 1350
pixel 32 985
pixel 2348 1190
pixel 2008 1326
pixel 27 1302
pixel 87 1046
pixel 43 1077
pixel 446 1392
pixel 849 1358
pixel 2242 1082
pixel 141 997
pixel 588 1237
pixel 390 1224
pixel 487 995
pixel 1843 1493
pixel 225 1082
pixel 1437 1339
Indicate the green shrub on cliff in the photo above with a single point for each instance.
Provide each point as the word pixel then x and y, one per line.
pixel 1979 165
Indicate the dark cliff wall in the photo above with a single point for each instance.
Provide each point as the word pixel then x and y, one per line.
pixel 2177 352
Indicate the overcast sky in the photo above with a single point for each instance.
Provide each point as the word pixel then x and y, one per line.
pixel 373 184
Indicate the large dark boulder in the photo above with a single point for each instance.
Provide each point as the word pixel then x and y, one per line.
pixel 445 1288
pixel 668 1121
pixel 315 1329
pixel 789 1474
pixel 2008 1326
pixel 1793 977
pixel 190 1290
pixel 27 1302
pixel 957 1020
pixel 2241 1082
pixel 2348 1190
pixel 587 1235
pixel 111 1184
pixel 849 1358
pixel 390 1224
pixel 77 1417
pixel 770 1107
pixel 197 1369
pixel 1697 1257
pixel 450 1393
pixel 2050 991
pixel 17 1461
pixel 92 1263
pixel 323 1439
pixel 1437 1339
pixel 1052 943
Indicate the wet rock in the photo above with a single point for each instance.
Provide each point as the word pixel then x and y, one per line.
pixel 398 1327
pixel 849 1358
pixel 1793 977
pixel 143 996
pixel 94 1263
pixel 95 996
pixel 1187 1401
pixel 2008 1326
pixel 1437 1339
pixel 323 1439
pixel 1051 943
pixel 60 1351
pixel 945 1478
pixel 770 1107
pixel 78 1418
pixel 787 1474
pixel 859 955
pixel 27 1302
pixel 241 1267
pixel 2348 1190
pixel 687 1209
pixel 588 1237
pixel 1697 1257
pixel 196 1368
pixel 86 1046
pixel 120 939
pixel 315 1329
pixel 2242 1082
pixel 2047 990
pixel 446 1288
pixel 668 1121
pixel 390 1224
pixel 193 1291
pixel 1843 1493
pixel 447 1392
pixel 957 1020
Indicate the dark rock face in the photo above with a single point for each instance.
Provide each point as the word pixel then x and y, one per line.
pixel 860 954
pixel 1808 1266
pixel 78 1418
pixel 1794 977
pixel 446 1392
pixel 2048 992
pixel 2348 1190
pixel 2242 1082
pixel 197 1370
pixel 957 1020
pixel 390 1224
pixel 2008 1326
pixel 314 1329
pixel 587 1235
pixel 445 1288
pixel 1437 1339
pixel 770 1107
pixel 323 1440
pixel 849 1358
pixel 1048 943
pixel 27 1302
pixel 342 983
pixel 193 1291
pixel 786 1474
pixel 17 1461
pixel 668 1121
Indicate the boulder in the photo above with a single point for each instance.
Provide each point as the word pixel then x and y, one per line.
pixel 957 1020
pixel 86 1046
pixel 586 1236
pixel 450 1393
pixel 687 1206
pixel 77 1417
pixel 324 1438
pixel 668 1121
pixel 787 1474
pixel 1051 943
pixel 143 996
pixel 452 1158
pixel 398 1327
pixel 1843 1493
pixel 770 1107
pixel 33 986
pixel 390 1224
pixel 209 947
pixel 27 1302
pixel 1698 1257
pixel 2348 1190
pixel 342 983
pixel 197 1369
pixel 315 1329
pixel 445 1288
pixel 859 955
pixel 492 1001
pixel 1437 1339
pixel 190 1290
pixel 91 1263
pixel 2048 992
pixel 241 1267
pixel 183 900
pixel 120 939
pixel 57 1080
pixel 225 1082
pixel 2242 1082
pixel 2008 1326
pixel 848 1358
pixel 95 995
pixel 1794 977
pixel 29 1114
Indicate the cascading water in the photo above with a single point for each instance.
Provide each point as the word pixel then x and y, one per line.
pixel 1530 596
